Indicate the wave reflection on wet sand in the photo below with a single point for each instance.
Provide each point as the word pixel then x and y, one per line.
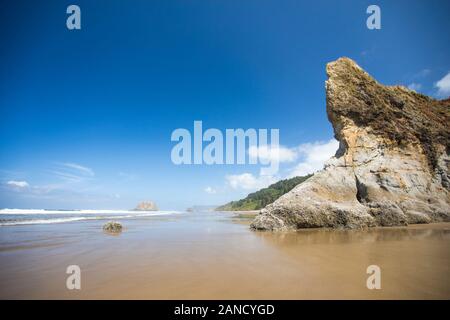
pixel 211 256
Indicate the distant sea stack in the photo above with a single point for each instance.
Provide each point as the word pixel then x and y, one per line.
pixel 392 165
pixel 146 206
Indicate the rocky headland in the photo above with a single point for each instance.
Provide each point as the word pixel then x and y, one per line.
pixel 392 165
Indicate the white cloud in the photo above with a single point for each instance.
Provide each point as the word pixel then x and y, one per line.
pixel 67 176
pixel 314 156
pixel 18 184
pixel 443 86
pixel 247 181
pixel 414 86
pixel 416 78
pixel 72 172
pixel 268 154
pixel 82 169
pixel 210 190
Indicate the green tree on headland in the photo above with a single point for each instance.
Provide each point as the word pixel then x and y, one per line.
pixel 259 199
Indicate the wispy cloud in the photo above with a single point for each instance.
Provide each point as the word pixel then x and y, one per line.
pixel 248 181
pixel 443 86
pixel 314 156
pixel 415 86
pixel 72 172
pixel 82 169
pixel 210 190
pixel 421 74
pixel 18 184
pixel 67 176
pixel 416 80
pixel 268 153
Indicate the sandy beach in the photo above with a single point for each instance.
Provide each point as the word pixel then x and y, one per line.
pixel 214 255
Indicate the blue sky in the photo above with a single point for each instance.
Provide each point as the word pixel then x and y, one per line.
pixel 86 116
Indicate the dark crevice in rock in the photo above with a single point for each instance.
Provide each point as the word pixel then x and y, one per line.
pixel 342 149
pixel 361 191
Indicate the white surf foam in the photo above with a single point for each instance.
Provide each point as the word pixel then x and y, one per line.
pixel 89 215
pixel 86 211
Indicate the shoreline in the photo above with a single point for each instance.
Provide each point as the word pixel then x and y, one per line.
pixel 216 256
pixel 250 214
pixel 242 212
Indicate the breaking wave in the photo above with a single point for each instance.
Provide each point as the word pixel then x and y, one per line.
pixel 12 217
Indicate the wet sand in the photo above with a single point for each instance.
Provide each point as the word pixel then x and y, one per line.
pixel 216 256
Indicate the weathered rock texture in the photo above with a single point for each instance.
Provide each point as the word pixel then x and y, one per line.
pixel 392 166
pixel 112 227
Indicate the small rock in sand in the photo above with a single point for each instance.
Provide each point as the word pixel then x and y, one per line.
pixel 113 227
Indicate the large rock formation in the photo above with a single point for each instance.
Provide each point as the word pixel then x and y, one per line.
pixel 392 166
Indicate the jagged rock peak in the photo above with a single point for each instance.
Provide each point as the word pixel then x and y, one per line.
pixel 395 113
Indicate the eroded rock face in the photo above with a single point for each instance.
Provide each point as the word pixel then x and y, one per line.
pixel 392 166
